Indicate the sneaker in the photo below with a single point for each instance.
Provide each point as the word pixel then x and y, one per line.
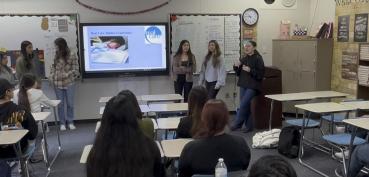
pixel 71 126
pixel 62 128
pixel 339 172
pixel 339 154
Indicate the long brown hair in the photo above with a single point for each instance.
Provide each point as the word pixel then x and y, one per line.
pixel 26 82
pixel 214 118
pixel 197 98
pixel 215 55
pixel 27 57
pixel 63 49
pixel 179 52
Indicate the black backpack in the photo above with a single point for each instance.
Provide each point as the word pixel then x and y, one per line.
pixel 289 141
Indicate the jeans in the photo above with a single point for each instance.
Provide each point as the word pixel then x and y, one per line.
pixel 244 112
pixel 212 92
pixel 359 158
pixel 5 170
pixel 66 96
pixel 182 86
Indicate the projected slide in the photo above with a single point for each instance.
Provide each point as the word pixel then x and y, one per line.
pixel 116 48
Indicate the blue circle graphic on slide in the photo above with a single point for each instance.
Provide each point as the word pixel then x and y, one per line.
pixel 153 34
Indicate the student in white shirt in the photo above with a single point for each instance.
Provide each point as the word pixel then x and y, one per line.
pixel 28 96
pixel 213 71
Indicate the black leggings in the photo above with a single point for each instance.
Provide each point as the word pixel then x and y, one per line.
pixel 212 92
pixel 182 86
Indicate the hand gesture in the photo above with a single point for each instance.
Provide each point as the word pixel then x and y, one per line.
pixel 246 68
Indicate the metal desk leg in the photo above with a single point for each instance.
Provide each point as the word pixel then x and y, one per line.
pixel 18 151
pixel 353 134
pixel 271 114
pixel 59 143
pixel 301 147
pixel 45 145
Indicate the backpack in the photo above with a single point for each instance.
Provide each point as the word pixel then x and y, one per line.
pixel 266 139
pixel 289 141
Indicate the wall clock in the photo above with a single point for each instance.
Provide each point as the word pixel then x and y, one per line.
pixel 250 16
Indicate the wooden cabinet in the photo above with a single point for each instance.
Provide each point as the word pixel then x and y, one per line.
pixel 306 65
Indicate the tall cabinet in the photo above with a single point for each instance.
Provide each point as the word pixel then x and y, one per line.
pixel 306 65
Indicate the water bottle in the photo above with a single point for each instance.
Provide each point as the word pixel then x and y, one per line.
pixel 220 168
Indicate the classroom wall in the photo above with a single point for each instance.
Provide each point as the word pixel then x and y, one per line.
pixel 90 90
pixel 324 12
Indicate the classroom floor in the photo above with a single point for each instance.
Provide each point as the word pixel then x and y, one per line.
pixel 67 164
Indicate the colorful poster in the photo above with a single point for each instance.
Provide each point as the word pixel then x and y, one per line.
pixel 343 28
pixel 361 28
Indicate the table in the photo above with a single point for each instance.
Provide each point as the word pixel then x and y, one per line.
pixel 41 117
pixel 144 109
pixel 302 96
pixel 161 98
pixel 98 124
pixel 160 149
pixel 357 104
pixel 361 123
pixel 170 123
pixel 168 107
pixel 13 137
pixel 320 108
pixel 173 148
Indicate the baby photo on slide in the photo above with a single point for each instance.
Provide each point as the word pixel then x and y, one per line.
pixel 109 49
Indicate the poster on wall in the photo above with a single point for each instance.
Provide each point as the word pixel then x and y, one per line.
pixel 349 65
pixel 361 27
pixel 343 28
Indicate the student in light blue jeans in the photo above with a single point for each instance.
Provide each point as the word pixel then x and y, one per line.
pixel 359 158
pixel 66 96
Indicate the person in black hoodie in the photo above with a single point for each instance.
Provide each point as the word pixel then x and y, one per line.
pixel 14 116
pixel 250 70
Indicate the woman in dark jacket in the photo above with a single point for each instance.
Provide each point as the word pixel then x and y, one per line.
pixel 250 70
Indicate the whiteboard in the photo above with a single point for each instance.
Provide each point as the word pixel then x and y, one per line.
pixel 199 29
pixel 41 30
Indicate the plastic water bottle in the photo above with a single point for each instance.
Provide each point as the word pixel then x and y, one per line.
pixel 220 168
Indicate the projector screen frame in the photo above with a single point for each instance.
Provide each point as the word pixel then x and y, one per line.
pixel 122 73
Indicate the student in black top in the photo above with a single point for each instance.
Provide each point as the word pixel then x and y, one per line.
pixel 250 70
pixel 13 116
pixel 272 165
pixel 211 143
pixel 121 148
pixel 189 125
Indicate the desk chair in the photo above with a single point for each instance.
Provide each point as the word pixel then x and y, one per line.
pixel 341 141
pixel 26 156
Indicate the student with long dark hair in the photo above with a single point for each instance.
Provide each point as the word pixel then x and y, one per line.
pixel 183 67
pixel 5 71
pixel 28 96
pixel 211 143
pixel 121 148
pixel 28 62
pixel 213 71
pixel 250 71
pixel 64 72
pixel 146 124
pixel 189 126
pixel 272 165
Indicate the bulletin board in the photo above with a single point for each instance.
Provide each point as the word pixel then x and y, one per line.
pixel 199 29
pixel 41 30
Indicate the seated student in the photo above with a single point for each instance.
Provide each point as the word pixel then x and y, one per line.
pixel 13 116
pixel 359 158
pixel 5 71
pixel 189 125
pixel 211 143
pixel 272 166
pixel 121 148
pixel 29 96
pixel 146 124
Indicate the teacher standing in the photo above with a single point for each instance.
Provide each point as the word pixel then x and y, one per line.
pixel 250 70
pixel 213 71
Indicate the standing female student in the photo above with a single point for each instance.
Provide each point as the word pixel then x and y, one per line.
pixel 183 67
pixel 28 96
pixel 28 62
pixel 5 71
pixel 250 70
pixel 63 74
pixel 213 71
pixel 120 147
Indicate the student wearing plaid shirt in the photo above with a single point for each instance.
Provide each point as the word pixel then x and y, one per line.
pixel 63 74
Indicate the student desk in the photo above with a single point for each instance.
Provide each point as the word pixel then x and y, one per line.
pixel 105 99
pixel 360 105
pixel 13 137
pixel 170 123
pixel 168 107
pixel 98 124
pixel 302 96
pixel 41 117
pixel 320 108
pixel 144 109
pixel 173 148
pixel 356 123
pixel 161 97
pixel 87 149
